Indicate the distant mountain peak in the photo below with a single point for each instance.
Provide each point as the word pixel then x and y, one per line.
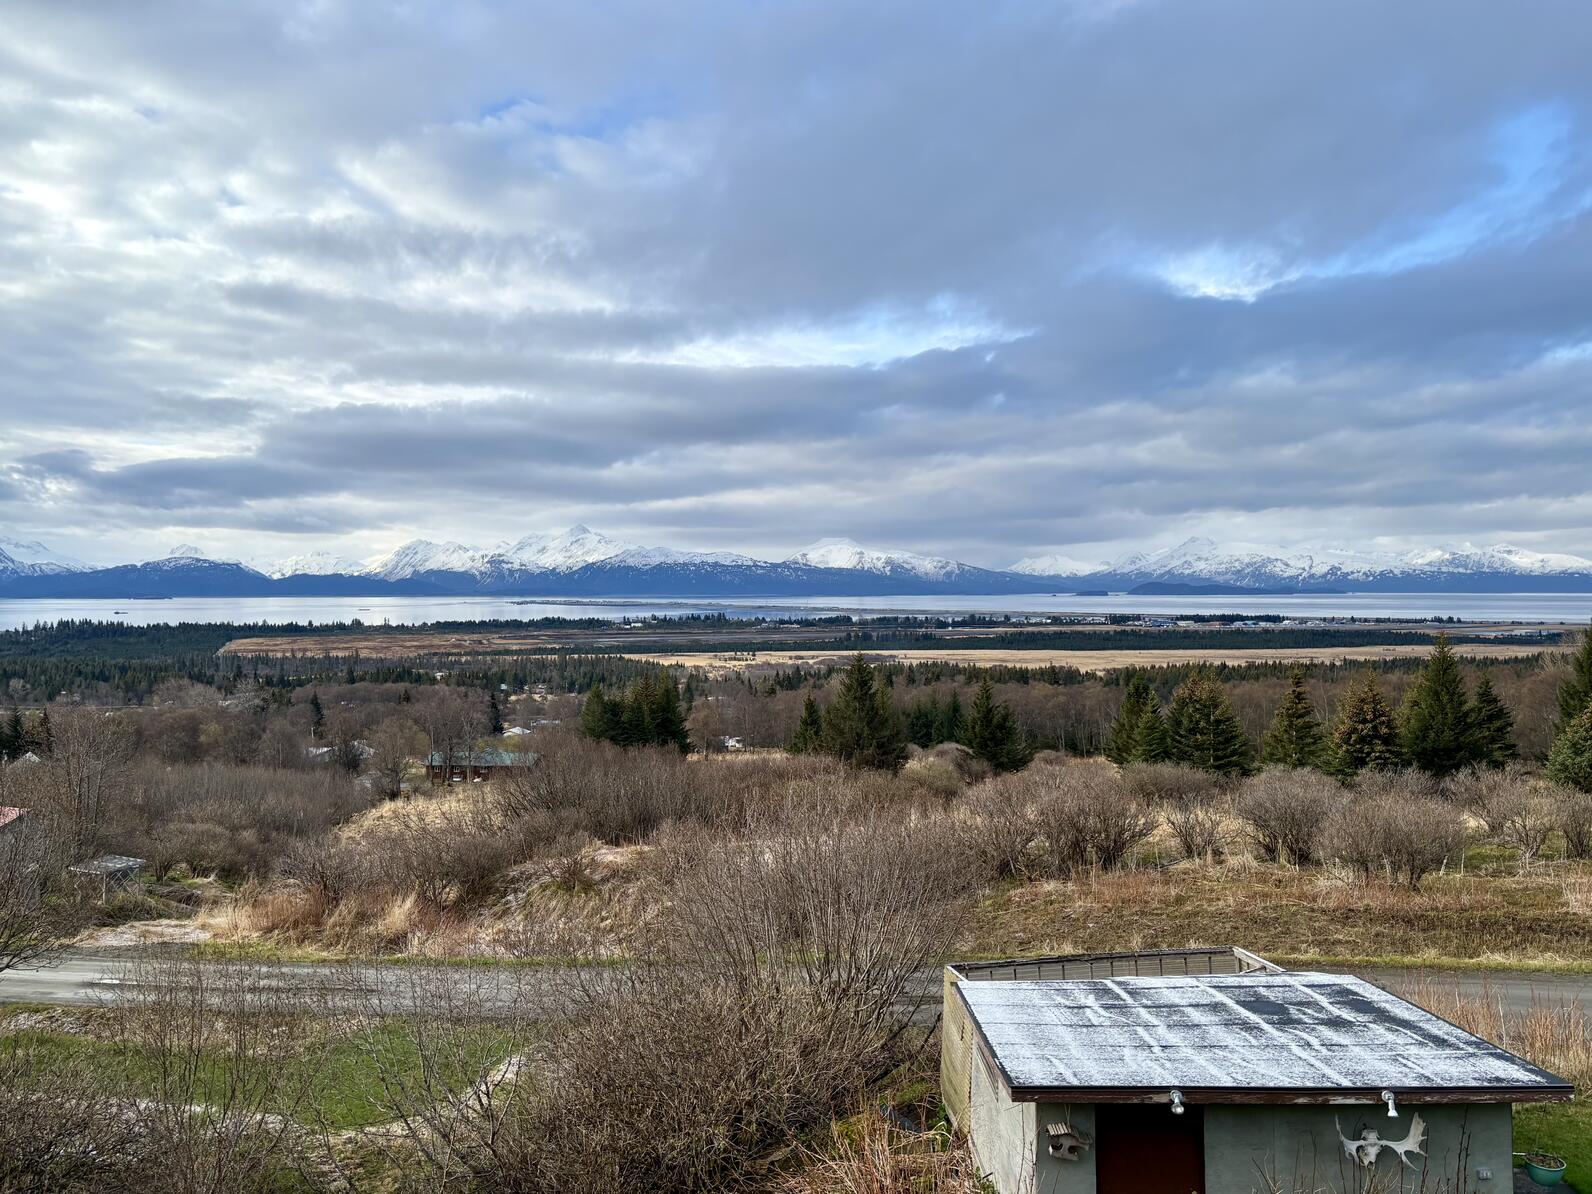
pixel 309 563
pixel 185 551
pixel 30 557
pixel 1056 565
pixel 846 553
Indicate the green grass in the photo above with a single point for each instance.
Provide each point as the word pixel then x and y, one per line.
pixel 1561 1128
pixel 341 1079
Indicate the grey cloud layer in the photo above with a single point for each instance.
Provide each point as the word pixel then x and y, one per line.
pixel 741 275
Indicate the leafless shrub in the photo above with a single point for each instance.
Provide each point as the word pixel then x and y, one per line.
pixel 1201 828
pixel 234 820
pixel 621 795
pixel 1170 783
pixel 775 985
pixel 1285 811
pixel 967 765
pixel 1574 810
pixel 1405 838
pixel 1527 817
pixel 35 904
pixel 63 1127
pixel 216 1043
pixel 330 866
pixel 570 865
pixel 446 856
pixel 84 772
pixel 932 776
pixel 1402 783
pixel 1488 793
pixel 999 828
pixel 1085 817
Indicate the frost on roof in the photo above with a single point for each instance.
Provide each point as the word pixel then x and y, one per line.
pixel 1292 1031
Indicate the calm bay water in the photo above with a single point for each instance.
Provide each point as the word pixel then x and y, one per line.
pixel 419 611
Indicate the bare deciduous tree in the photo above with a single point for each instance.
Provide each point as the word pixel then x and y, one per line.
pixel 35 905
pixel 86 767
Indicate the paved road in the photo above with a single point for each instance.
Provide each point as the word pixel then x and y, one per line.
pixel 79 977
pixel 82 978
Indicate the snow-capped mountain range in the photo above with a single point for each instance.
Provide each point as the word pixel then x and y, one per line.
pixel 581 561
pixel 1203 561
pixel 31 558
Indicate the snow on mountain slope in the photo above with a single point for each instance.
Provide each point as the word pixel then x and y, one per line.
pixel 562 551
pixel 849 554
pixel 669 557
pixel 1054 565
pixel 310 563
pixel 1256 566
pixel 422 555
pixel 1500 557
pixel 32 557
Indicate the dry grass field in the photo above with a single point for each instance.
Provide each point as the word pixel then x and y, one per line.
pixel 422 642
pixel 1499 919
pixel 1089 661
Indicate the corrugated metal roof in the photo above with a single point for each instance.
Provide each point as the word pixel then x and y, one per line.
pixel 481 758
pixel 1232 1032
pixel 106 864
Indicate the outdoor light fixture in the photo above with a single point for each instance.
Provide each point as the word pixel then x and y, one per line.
pixel 1177 1102
pixel 1392 1107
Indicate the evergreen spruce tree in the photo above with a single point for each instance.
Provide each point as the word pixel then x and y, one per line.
pixel 809 735
pixel 1492 725
pixel 923 721
pixel 317 715
pixel 1295 738
pixel 1575 694
pixel 860 726
pixel 11 736
pixel 1435 724
pixel 952 723
pixel 1122 743
pixel 1570 760
pixel 1152 737
pixel 633 714
pixel 1366 734
pixel 668 722
pixel 597 715
pixel 496 712
pixel 1204 730
pixel 993 733
pixel 406 697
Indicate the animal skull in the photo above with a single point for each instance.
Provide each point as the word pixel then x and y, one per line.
pixel 1369 1146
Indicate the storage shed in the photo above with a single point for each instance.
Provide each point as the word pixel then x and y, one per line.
pixel 100 878
pixel 1256 1079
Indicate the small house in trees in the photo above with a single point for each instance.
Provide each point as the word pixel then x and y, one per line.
pixel 474 766
pixel 11 817
pixel 1216 1072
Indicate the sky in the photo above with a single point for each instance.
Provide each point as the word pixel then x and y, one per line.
pixel 984 281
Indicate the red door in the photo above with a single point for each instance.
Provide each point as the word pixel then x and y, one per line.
pixel 1148 1150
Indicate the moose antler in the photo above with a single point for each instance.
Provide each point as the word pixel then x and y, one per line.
pixel 1369 1146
